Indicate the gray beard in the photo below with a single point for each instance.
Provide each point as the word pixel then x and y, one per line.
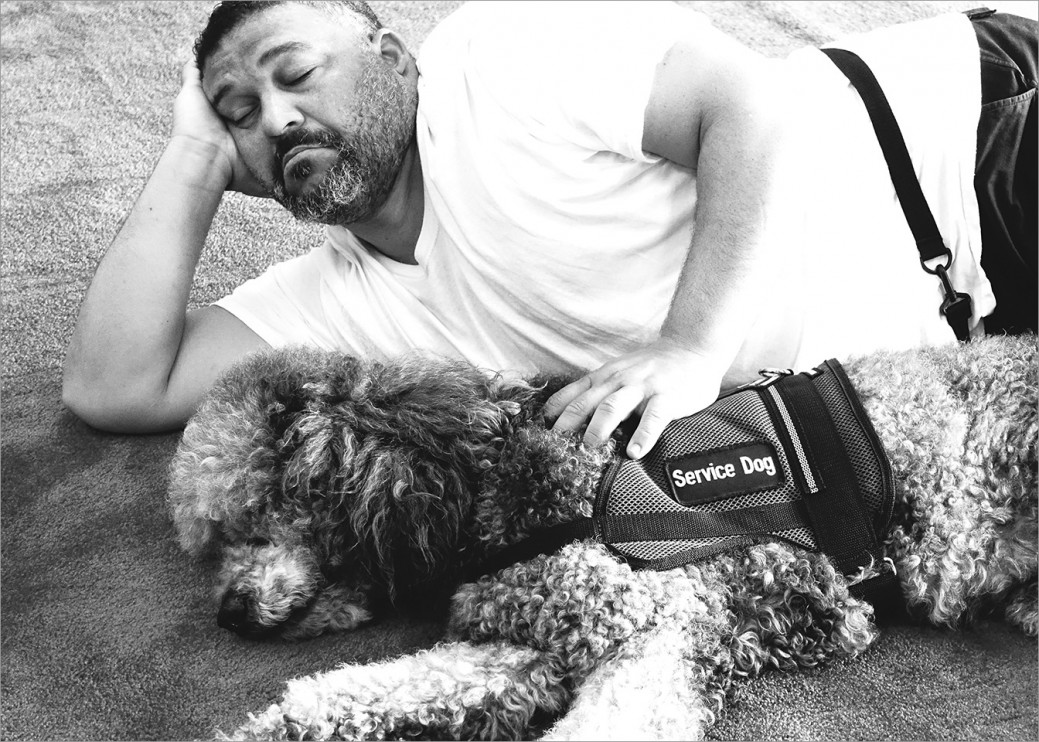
pixel 367 164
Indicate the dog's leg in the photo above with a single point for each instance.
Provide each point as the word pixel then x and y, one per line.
pixel 603 624
pixel 652 689
pixel 764 606
pixel 974 543
pixel 792 609
pixel 452 691
pixel 960 427
pixel 580 605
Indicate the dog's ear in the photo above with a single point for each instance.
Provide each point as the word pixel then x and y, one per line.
pixel 209 477
pixel 224 470
pixel 226 476
pixel 399 461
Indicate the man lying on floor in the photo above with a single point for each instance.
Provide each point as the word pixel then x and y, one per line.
pixel 625 192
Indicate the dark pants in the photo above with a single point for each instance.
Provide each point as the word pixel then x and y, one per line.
pixel 1005 173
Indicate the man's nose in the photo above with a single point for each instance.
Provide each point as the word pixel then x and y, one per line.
pixel 280 115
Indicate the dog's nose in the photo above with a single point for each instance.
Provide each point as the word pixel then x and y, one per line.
pixel 234 613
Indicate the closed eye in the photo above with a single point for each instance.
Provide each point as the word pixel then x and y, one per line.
pixel 300 78
pixel 240 117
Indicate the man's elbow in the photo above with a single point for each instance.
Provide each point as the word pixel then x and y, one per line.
pixel 94 407
pixel 113 409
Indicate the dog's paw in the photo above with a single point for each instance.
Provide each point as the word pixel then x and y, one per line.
pixel 276 724
pixel 268 725
pixel 311 714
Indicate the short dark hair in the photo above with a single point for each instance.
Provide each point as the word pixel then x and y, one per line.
pixel 229 14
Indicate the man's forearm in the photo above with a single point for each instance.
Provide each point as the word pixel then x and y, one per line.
pixel 131 323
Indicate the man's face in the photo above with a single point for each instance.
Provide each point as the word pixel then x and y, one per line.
pixel 318 117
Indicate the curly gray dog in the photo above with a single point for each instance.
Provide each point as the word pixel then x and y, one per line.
pixel 335 489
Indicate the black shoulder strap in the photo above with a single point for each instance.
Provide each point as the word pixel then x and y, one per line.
pixel 956 308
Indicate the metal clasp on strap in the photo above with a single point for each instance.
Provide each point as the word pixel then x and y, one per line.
pixel 769 376
pixel 957 306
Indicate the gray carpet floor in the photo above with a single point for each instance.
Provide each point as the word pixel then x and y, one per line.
pixel 107 630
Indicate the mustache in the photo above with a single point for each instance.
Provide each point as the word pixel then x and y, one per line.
pixel 314 138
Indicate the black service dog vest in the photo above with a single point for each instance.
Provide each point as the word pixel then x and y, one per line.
pixel 790 456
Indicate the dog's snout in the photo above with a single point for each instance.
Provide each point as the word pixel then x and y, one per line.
pixel 234 613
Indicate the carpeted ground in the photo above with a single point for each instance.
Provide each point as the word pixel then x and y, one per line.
pixel 107 632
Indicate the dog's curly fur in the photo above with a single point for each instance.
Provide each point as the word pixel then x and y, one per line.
pixel 335 489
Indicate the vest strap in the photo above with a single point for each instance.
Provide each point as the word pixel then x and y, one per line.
pixel 842 525
pixel 683 525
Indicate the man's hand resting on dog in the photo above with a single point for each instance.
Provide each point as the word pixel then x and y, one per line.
pixel 661 382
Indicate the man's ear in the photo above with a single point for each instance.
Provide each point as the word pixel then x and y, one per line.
pixel 394 52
